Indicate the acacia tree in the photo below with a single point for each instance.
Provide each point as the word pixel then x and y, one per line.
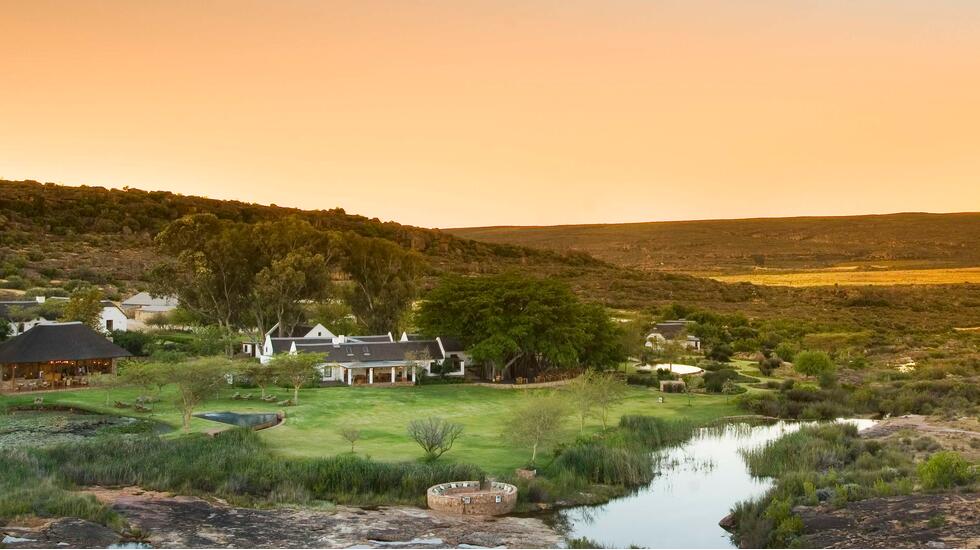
pixel 261 375
pixel 281 285
pixel 197 381
pixel 299 369
pixel 85 305
pixel 385 280
pixel 352 435
pixel 537 422
pixel 511 318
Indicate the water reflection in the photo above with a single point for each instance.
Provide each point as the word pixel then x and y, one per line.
pixel 699 482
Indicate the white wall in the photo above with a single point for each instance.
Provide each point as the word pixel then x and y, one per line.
pixel 114 314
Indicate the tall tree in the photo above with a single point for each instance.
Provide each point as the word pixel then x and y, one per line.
pixel 508 319
pixel 281 286
pixel 85 305
pixel 296 261
pixel 212 267
pixel 385 280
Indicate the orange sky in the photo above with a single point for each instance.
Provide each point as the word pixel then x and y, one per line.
pixel 463 113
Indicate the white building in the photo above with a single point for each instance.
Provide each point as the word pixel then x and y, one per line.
pixel 143 306
pixel 374 359
pixel 110 318
pixel 675 330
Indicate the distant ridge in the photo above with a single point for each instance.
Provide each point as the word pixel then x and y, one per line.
pixel 907 239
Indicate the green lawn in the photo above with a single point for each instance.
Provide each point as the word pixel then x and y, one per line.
pixel 312 427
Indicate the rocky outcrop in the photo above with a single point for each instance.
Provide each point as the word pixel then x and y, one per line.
pixel 911 521
pixel 180 522
pixel 60 533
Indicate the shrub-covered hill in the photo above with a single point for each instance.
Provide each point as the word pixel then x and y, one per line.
pixel 58 236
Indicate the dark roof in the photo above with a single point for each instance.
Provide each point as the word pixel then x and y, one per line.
pixel 451 344
pixel 58 341
pixel 672 329
pixel 357 352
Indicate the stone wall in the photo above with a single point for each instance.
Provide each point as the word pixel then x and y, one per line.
pixel 467 498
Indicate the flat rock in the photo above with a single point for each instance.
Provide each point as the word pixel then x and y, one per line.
pixel 181 522
pixel 61 533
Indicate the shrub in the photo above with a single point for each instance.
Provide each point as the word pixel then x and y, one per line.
pixel 946 469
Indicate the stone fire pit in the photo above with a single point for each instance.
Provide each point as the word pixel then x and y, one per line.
pixel 470 498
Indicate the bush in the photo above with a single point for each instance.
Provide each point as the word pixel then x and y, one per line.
pixel 945 470
pixel 786 351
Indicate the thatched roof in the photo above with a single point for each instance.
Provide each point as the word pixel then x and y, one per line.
pixel 59 342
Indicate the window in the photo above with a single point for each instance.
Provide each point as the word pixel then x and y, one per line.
pixel 108 325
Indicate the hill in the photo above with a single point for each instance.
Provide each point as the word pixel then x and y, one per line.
pixel 54 237
pixel 910 240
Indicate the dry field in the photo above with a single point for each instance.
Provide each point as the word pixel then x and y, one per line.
pixel 827 277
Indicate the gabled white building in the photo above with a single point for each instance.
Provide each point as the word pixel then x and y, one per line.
pixel 373 359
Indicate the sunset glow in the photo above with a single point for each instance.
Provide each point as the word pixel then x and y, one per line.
pixel 448 114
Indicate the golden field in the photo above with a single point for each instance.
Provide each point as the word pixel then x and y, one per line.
pixel 838 276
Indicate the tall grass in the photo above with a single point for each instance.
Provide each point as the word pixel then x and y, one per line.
pixel 235 465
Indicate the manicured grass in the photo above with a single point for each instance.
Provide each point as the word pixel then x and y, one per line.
pixel 312 427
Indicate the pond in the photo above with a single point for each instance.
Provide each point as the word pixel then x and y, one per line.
pixel 698 484
pixel 256 421
pixel 35 428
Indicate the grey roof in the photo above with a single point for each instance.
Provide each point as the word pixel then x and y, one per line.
pixel 372 338
pixel 58 341
pixel 146 299
pixel 358 352
pixel 452 345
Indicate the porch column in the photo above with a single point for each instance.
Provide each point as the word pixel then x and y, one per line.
pixel 350 377
pixel 370 375
pixel 462 367
pixel 392 375
pixel 413 373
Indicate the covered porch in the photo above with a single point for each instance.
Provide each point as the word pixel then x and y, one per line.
pixel 380 373
pixel 53 375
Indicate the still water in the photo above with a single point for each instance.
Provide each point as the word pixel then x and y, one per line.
pixel 698 483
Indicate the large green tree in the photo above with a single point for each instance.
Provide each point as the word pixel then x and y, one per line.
pixel 385 281
pixel 85 305
pixel 512 319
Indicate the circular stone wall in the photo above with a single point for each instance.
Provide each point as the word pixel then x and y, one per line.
pixel 467 497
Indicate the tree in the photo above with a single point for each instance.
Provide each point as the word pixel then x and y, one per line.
pixel 85 306
pixel 385 278
pixel 337 316
pixel 607 390
pixel 812 363
pixel 197 381
pixel 105 381
pixel 6 328
pixel 671 351
pixel 352 435
pixel 211 269
pixel 729 388
pixel 581 397
pixel 295 261
pixel 297 369
pixel 435 435
pixel 512 319
pixel 146 374
pixel 261 375
pixel 537 422
pixel 691 385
